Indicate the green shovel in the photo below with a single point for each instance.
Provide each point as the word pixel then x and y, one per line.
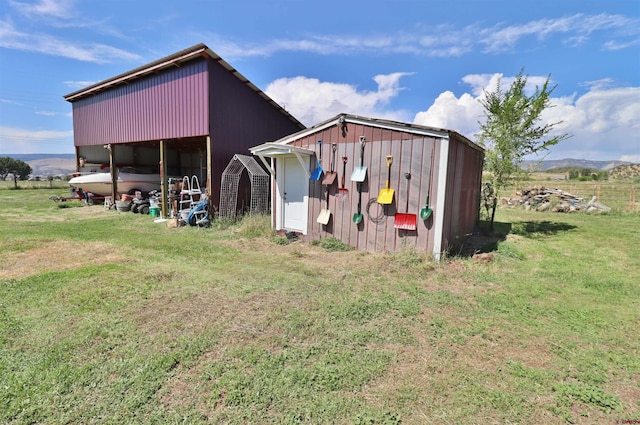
pixel 357 217
pixel 425 213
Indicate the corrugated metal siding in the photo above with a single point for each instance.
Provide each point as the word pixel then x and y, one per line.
pixel 240 119
pixel 463 192
pixel 411 153
pixel 169 105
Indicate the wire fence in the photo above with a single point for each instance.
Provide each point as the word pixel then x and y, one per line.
pixel 33 184
pixel 620 196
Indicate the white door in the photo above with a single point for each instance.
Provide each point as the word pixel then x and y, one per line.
pixel 293 193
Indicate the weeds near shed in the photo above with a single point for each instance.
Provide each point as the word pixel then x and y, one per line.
pixel 280 240
pixel 332 245
pixel 255 226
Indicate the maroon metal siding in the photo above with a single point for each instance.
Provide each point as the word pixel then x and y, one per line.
pixel 171 104
pixel 411 153
pixel 462 206
pixel 240 118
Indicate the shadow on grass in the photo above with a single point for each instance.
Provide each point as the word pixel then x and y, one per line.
pixel 533 229
pixel 485 240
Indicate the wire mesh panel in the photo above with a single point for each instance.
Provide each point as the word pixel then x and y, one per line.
pixel 258 178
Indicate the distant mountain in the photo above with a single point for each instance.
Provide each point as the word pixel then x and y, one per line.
pixel 569 162
pixel 26 157
pixel 44 165
pixel 63 164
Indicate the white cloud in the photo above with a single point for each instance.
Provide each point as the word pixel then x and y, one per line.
pixel 45 8
pixel 19 140
pixel 604 122
pixel 442 41
pixel 459 114
pixel 79 84
pixel 11 38
pixel 46 113
pixel 631 158
pixel 313 101
pixel 576 28
pixel 10 102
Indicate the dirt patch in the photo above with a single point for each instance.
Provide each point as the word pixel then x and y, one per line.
pixel 170 315
pixel 56 256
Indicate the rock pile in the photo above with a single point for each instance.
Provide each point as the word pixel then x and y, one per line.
pixel 556 200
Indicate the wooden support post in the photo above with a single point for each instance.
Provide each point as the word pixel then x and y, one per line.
pixel 209 174
pixel 114 171
pixel 163 178
pixel 209 171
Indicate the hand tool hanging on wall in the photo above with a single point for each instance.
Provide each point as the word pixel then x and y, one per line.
pixel 325 214
pixel 425 213
pixel 357 217
pixel 385 197
pixel 343 191
pixel 405 220
pixel 330 177
pixel 318 171
pixel 359 174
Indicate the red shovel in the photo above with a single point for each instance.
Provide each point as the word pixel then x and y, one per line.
pixel 406 221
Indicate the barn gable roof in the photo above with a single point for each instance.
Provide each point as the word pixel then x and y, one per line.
pixel 174 60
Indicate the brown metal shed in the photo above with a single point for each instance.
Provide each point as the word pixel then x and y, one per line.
pixel 442 163
pixel 184 114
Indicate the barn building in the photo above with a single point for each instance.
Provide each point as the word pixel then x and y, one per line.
pixel 435 180
pixel 184 114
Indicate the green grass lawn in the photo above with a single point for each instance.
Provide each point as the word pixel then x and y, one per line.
pixel 108 317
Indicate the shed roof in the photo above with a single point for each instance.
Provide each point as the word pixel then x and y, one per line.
pixel 379 123
pixel 175 60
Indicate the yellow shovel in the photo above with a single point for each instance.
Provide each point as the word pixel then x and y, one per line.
pixel 385 197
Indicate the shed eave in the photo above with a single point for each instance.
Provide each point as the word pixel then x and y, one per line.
pixel 371 122
pixel 398 126
pixel 271 149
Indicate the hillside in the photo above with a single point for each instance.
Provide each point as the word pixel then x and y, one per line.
pixel 573 163
pixel 625 172
pixel 48 164
pixel 63 164
pixel 28 157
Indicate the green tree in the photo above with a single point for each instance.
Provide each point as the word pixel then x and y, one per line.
pixel 19 169
pixel 4 167
pixel 513 130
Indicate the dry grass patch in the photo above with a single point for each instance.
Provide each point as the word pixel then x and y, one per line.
pixel 57 255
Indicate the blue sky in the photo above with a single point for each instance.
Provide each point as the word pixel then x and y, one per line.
pixel 425 62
